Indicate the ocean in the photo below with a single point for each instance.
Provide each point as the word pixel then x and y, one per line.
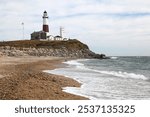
pixel 118 78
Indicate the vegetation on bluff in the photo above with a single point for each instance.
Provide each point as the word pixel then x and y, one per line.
pixel 70 44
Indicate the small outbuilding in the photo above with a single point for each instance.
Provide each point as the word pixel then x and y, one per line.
pixel 58 37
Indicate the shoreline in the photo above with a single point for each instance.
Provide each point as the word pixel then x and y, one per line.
pixel 71 90
pixel 22 78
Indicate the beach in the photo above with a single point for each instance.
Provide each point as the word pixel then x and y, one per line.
pixel 22 78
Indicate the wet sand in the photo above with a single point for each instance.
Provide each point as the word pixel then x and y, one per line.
pixel 21 78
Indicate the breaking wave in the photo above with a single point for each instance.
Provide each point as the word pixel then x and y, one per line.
pixel 74 63
pixel 113 57
pixel 123 74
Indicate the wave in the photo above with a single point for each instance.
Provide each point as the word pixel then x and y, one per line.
pixel 113 57
pixel 123 74
pixel 74 63
pixel 120 74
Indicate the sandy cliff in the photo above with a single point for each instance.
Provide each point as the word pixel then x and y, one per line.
pixel 70 48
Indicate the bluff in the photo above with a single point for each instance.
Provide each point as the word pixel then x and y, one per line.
pixel 70 48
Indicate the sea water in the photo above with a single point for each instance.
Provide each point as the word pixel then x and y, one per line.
pixel 115 78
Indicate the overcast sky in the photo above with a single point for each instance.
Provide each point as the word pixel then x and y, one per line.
pixel 112 27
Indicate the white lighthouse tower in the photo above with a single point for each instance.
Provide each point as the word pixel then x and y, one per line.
pixel 45 23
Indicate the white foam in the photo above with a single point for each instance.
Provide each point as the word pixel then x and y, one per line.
pixel 74 62
pixel 113 57
pixel 77 91
pixel 123 74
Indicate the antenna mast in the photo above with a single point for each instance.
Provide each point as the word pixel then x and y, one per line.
pixel 61 31
pixel 22 30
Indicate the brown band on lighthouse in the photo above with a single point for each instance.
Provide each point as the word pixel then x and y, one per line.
pixel 45 28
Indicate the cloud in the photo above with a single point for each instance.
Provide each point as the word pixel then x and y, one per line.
pixel 116 26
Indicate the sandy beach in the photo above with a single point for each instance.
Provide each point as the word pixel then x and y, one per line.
pixel 22 78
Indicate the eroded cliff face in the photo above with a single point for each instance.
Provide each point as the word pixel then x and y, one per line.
pixel 70 48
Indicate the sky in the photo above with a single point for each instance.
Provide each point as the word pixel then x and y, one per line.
pixel 112 27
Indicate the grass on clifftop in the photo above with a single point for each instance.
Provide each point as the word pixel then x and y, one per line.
pixel 75 44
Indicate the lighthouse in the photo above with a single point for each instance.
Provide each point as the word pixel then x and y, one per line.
pixel 44 33
pixel 45 22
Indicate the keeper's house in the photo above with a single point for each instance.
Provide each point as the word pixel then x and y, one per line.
pixel 38 35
